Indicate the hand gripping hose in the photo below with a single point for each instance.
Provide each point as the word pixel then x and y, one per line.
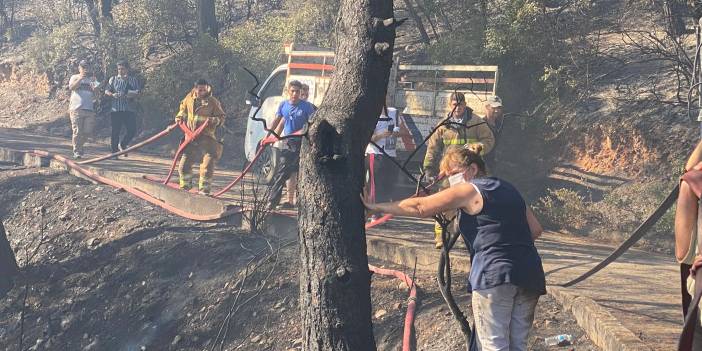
pixel 189 136
pixel 265 142
pixel 411 302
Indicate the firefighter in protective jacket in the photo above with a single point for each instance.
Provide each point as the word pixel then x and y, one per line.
pixel 467 129
pixel 196 108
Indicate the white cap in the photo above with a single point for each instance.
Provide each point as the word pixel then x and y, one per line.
pixel 494 101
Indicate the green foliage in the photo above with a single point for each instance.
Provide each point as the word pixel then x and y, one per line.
pixel 620 211
pixel 156 24
pixel 626 206
pixel 168 82
pixel 564 208
pixel 518 31
pixel 50 14
pixel 259 43
pixel 462 46
pixel 52 51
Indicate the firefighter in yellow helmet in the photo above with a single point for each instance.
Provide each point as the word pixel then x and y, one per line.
pixel 196 108
pixel 468 129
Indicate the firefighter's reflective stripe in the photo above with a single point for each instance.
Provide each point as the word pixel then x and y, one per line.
pixel 459 141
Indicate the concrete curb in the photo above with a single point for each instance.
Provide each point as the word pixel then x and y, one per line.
pixel 192 203
pixel 404 253
pixel 600 325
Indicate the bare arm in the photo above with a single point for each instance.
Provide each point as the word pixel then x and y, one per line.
pixel 380 135
pixel 74 84
pixel 685 221
pixel 686 210
pixel 534 225
pixel 463 196
pixel 278 124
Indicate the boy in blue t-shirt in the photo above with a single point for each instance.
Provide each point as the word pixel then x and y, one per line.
pixel 291 117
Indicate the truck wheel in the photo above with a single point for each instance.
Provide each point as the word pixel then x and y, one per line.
pixel 266 166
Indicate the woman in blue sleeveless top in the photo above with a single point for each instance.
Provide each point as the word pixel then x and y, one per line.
pixel 506 275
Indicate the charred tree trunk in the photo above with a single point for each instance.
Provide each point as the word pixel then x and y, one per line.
pixel 98 12
pixel 418 22
pixel 674 11
pixel 207 18
pixel 94 18
pixel 334 277
pixel 444 18
pixel 8 264
pixel 106 8
pixel 428 16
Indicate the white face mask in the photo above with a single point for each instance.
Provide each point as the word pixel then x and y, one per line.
pixel 456 179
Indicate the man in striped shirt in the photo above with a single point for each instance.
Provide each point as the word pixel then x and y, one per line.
pixel 123 88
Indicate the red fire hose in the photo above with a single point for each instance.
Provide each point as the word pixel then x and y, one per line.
pixel 243 173
pixel 265 142
pixel 382 220
pixel 189 136
pixel 133 147
pixel 411 302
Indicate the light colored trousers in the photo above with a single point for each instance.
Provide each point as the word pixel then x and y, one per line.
pixel 82 125
pixel 503 317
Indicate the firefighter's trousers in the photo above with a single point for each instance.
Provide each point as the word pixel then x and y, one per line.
pixel 206 149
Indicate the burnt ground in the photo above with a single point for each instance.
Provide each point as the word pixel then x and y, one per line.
pixel 110 272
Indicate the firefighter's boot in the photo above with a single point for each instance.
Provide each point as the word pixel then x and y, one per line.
pixel 438 241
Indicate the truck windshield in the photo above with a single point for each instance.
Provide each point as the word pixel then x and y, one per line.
pixel 274 87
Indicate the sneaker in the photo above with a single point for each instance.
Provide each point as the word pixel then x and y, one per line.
pixel 205 192
pixel 121 148
pixel 77 156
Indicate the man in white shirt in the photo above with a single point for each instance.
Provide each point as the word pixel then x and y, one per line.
pixel 81 107
pixel 381 172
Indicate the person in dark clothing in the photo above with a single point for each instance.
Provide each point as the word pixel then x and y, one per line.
pixel 506 274
pixel 123 89
pixel 381 171
pixel 291 117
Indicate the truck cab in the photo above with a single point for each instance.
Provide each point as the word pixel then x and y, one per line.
pixel 419 92
pixel 309 66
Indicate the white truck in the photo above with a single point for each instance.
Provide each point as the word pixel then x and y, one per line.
pixel 419 92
